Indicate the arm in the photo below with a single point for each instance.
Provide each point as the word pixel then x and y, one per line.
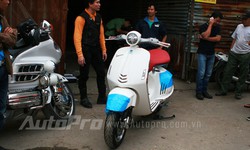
pixel 8 37
pixel 232 44
pixel 164 39
pixel 120 31
pixel 102 42
pixel 207 33
pixel 79 25
pixel 216 38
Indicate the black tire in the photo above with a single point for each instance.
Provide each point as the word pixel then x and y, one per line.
pixel 114 133
pixel 62 105
pixel 218 76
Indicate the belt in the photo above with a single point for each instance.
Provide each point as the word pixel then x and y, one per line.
pixel 2 63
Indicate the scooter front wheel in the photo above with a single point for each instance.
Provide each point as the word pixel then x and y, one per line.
pixel 114 130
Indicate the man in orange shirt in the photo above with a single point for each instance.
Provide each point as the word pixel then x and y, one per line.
pixel 90 48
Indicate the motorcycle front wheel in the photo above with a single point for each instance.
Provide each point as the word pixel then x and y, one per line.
pixel 62 105
pixel 114 130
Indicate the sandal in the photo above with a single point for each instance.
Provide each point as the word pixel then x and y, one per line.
pixel 247 105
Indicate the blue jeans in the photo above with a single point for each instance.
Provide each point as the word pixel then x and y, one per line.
pixel 3 93
pixel 204 72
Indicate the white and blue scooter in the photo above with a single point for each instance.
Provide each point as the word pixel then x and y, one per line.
pixel 138 85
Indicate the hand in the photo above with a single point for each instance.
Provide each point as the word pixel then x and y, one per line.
pixel 104 56
pixel 81 61
pixel 211 20
pixel 199 36
pixel 8 30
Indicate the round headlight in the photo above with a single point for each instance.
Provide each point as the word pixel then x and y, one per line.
pixel 133 38
pixel 44 81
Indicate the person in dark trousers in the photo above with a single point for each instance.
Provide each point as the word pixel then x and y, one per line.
pixel 151 27
pixel 89 41
pixel 239 56
pixel 8 38
pixel 209 36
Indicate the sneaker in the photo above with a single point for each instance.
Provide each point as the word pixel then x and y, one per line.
pixel 101 100
pixel 86 103
pixel 221 93
pixel 207 95
pixel 238 96
pixel 199 96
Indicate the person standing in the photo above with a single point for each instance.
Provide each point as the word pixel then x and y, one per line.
pixel 151 27
pixel 89 41
pixel 209 36
pixel 8 38
pixel 239 55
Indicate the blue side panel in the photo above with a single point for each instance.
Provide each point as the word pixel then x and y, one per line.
pixel 166 80
pixel 117 103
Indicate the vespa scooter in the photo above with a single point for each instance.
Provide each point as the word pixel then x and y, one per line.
pixel 138 84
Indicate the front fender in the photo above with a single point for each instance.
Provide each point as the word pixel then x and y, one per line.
pixel 55 78
pixel 61 77
pixel 119 99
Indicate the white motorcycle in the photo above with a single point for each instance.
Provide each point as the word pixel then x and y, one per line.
pixel 218 70
pixel 34 84
pixel 138 84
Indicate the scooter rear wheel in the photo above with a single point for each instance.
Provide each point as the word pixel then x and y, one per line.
pixel 114 130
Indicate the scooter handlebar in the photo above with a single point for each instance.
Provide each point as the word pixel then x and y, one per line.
pixel 136 38
pixel 155 41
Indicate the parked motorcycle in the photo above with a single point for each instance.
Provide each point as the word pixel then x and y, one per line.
pixel 34 84
pixel 220 64
pixel 138 84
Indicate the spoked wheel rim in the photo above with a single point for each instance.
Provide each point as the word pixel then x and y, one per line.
pixel 62 102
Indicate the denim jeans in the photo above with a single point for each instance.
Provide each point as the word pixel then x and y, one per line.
pixel 3 93
pixel 204 72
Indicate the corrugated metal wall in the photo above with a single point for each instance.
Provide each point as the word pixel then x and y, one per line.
pixel 183 18
pixel 175 13
pixel 231 10
pixel 54 11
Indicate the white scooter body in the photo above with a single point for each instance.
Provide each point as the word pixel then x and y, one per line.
pixel 132 84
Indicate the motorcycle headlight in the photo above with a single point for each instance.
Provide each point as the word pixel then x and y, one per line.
pixel 133 38
pixel 44 81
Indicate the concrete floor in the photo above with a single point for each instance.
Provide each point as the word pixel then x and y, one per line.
pixel 216 124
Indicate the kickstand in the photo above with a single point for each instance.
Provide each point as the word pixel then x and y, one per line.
pixel 160 117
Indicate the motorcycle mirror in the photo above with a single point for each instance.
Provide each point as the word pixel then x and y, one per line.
pixel 46 26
